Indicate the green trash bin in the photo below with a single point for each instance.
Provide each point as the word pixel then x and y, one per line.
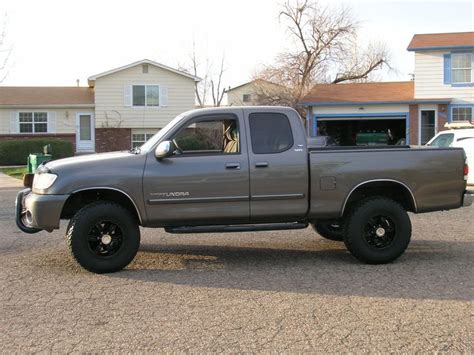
pixel 36 159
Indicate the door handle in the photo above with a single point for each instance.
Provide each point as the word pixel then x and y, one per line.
pixel 261 164
pixel 235 166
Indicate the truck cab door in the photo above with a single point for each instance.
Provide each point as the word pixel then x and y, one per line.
pixel 278 165
pixel 206 180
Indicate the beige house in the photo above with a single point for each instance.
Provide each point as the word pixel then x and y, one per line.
pixel 252 93
pixel 120 109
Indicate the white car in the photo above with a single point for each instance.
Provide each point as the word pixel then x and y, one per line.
pixel 464 138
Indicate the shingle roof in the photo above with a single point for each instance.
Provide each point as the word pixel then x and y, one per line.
pixel 43 95
pixel 361 92
pixel 441 40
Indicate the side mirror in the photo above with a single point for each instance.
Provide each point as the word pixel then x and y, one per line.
pixel 163 150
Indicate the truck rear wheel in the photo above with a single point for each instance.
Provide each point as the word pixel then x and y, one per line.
pixel 103 237
pixel 332 230
pixel 378 231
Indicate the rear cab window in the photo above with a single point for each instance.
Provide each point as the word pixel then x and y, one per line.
pixel 270 133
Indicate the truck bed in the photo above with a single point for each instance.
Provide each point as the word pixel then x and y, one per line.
pixel 431 175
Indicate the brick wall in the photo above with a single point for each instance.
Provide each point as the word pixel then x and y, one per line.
pixel 442 117
pixel 65 137
pixel 414 124
pixel 111 139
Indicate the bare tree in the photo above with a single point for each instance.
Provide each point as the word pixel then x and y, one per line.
pixel 211 83
pixel 323 49
pixel 201 87
pixel 217 88
pixel 5 51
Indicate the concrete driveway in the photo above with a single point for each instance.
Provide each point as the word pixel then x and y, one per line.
pixel 282 291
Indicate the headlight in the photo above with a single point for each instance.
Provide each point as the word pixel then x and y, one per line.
pixel 43 181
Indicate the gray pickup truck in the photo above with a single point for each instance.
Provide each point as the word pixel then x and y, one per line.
pixel 241 169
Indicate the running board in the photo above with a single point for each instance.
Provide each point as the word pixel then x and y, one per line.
pixel 237 228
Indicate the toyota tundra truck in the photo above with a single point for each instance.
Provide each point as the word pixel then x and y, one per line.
pixel 238 169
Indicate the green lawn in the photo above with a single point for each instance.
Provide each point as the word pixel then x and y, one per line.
pixel 14 172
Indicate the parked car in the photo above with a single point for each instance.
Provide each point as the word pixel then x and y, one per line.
pixel 240 169
pixel 462 138
pixel 372 138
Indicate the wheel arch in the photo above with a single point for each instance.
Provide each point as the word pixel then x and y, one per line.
pixel 81 197
pixel 390 188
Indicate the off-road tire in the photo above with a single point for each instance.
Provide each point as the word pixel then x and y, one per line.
pixel 327 231
pixel 79 230
pixel 358 230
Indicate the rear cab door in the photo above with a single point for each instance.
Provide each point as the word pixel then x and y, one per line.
pixel 278 164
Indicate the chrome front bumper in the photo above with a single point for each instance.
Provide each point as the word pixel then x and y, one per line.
pixel 38 212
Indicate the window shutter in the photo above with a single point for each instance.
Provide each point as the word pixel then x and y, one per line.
pixel 127 95
pixel 51 122
pixel 163 95
pixel 14 124
pixel 447 68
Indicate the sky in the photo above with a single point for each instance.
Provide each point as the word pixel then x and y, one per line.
pixel 56 42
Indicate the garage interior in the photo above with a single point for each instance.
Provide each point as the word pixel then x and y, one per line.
pixel 363 131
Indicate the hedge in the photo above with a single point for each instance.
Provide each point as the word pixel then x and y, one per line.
pixel 15 152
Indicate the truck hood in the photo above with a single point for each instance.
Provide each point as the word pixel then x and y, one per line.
pixel 116 170
pixel 107 159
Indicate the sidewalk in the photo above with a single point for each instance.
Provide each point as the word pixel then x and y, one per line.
pixel 7 182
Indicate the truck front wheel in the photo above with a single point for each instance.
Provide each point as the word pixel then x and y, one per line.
pixel 103 237
pixel 378 230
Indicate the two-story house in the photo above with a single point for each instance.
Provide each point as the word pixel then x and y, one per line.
pixel 412 111
pixel 120 108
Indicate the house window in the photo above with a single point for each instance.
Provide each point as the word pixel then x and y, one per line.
pixel 33 122
pixel 140 138
pixel 462 114
pixel 146 95
pixel 461 67
pixel 246 97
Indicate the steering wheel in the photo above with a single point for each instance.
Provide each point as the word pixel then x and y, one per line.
pixel 178 149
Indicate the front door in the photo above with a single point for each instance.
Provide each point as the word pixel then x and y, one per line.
pixel 278 166
pixel 427 125
pixel 85 140
pixel 206 180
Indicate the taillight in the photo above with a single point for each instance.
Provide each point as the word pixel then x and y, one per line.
pixel 466 171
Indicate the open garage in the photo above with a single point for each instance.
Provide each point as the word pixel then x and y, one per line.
pixel 351 131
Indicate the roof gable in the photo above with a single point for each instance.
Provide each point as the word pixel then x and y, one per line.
pixel 254 83
pixel 433 41
pixel 92 78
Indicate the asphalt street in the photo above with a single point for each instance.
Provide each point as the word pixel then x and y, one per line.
pixel 249 292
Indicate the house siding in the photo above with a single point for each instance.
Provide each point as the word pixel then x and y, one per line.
pixel 65 118
pixel 429 79
pixel 234 97
pixel 111 112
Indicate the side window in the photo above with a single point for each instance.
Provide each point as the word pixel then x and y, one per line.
pixel 270 133
pixel 209 135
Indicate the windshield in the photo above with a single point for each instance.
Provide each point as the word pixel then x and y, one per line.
pixel 442 141
pixel 161 133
